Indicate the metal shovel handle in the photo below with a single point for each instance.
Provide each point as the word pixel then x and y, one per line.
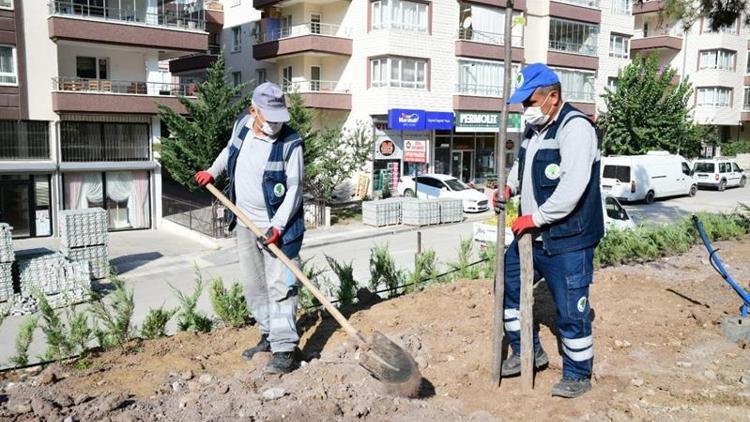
pixel 349 328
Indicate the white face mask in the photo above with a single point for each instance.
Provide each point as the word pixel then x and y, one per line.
pixel 534 116
pixel 271 128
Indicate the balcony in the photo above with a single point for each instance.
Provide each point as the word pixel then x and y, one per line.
pixel 574 55
pixel 311 37
pixel 580 10
pixel 668 39
pixel 108 96
pixel 195 62
pixel 319 94
pixel 480 98
pixel 487 45
pixel 174 26
pixel 649 6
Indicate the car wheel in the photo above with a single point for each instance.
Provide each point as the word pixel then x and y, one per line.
pixel 650 196
pixel 693 190
pixel 742 182
pixel 722 185
pixel 409 193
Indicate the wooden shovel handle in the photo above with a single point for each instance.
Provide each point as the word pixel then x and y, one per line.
pixel 349 328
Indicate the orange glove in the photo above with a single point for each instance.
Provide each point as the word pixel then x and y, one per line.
pixel 499 203
pixel 202 178
pixel 522 224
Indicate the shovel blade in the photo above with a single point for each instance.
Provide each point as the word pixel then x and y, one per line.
pixel 392 365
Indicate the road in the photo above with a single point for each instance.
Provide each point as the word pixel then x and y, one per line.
pixel 151 262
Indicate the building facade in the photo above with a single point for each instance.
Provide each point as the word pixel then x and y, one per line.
pixel 80 85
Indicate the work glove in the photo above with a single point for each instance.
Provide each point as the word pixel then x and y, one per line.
pixel 498 203
pixel 523 224
pixel 272 236
pixel 202 178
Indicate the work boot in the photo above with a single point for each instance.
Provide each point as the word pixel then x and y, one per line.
pixel 571 388
pixel 512 365
pixel 262 346
pixel 282 363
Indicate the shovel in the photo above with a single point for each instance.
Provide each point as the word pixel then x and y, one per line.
pixel 382 358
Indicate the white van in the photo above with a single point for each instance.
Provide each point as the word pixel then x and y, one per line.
pixel 657 174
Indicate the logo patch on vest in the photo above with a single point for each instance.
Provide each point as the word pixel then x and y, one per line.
pixel 582 304
pixel 279 190
pixel 552 171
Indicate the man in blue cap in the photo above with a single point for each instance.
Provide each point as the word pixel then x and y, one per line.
pixel 263 160
pixel 557 175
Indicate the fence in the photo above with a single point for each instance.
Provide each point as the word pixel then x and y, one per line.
pixel 208 220
pixel 172 14
pixel 107 86
pixel 308 28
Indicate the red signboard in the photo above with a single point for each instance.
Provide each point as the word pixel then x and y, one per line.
pixel 415 151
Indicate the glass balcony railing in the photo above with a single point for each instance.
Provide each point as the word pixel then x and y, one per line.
pixel 594 4
pixel 170 14
pixel 308 86
pixel 480 90
pixel 488 37
pixel 573 47
pixel 106 86
pixel 309 28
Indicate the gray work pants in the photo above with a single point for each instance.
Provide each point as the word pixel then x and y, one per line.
pixel 270 290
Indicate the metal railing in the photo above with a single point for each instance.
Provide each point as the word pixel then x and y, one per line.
pixel 670 31
pixel 208 220
pixel 572 47
pixel 480 90
pixel 93 141
pixel 308 28
pixel 107 86
pixel 594 4
pixel 24 140
pixel 314 86
pixel 172 15
pixel 469 34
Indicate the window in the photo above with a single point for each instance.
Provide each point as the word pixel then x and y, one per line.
pixel 286 78
pixel 399 72
pixel 747 69
pixel 24 140
pixel 90 141
pixel 736 168
pixel 731 29
pixel 612 84
pixel 486 24
pixel 619 46
pixel 717 59
pixel 399 14
pixel 685 169
pixel 704 167
pixel 236 78
pixel 573 37
pixel 621 7
pixel 746 99
pixel 315 20
pixel 92 68
pixel 724 168
pixel 482 78
pixel 621 173
pixel 714 97
pixel 236 39
pixel 8 75
pixel 260 76
pixel 577 85
pixel 615 211
pixel 7 4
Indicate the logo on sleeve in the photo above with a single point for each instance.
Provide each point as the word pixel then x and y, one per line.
pixel 552 171
pixel 279 190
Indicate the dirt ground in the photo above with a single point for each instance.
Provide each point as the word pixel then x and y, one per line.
pixel 659 354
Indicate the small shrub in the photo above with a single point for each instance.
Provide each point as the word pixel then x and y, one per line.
pixel 425 271
pixel 383 270
pixel 386 193
pixel 113 321
pixel 189 317
pixel 463 270
pixel 155 324
pixel 489 256
pixel 58 345
pixel 306 298
pixel 80 331
pixel 347 289
pixel 23 340
pixel 229 305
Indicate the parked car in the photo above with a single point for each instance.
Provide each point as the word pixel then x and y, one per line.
pixel 719 173
pixel 657 174
pixel 432 186
pixel 615 217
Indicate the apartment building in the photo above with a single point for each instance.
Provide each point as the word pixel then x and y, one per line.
pixel 80 85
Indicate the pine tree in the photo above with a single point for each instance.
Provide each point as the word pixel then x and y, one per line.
pixel 648 112
pixel 197 138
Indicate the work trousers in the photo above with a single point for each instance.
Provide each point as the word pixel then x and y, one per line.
pixel 270 290
pixel 568 276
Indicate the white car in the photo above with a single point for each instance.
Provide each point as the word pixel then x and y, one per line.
pixel 719 173
pixel 647 177
pixel 430 186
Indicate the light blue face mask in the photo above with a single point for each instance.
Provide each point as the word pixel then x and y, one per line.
pixel 271 128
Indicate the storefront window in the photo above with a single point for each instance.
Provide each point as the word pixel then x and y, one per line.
pixel 24 204
pixel 124 194
pixel 485 165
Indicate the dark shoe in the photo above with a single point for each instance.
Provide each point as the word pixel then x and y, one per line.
pixel 570 388
pixel 262 346
pixel 282 363
pixel 512 365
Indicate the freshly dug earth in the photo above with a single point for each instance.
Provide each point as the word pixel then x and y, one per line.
pixel 659 353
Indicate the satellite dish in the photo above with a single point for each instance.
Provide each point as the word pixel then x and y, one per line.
pixel 466 24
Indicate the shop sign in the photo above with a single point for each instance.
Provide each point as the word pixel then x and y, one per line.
pixel 386 149
pixel 477 122
pixel 515 122
pixel 439 120
pixel 406 119
pixel 415 151
pixel 509 144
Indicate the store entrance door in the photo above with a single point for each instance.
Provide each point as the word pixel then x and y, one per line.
pixel 462 165
pixel 15 206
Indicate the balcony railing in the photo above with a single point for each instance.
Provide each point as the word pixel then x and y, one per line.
pixel 309 28
pixel 24 140
pixel 572 47
pixel 171 15
pixel 480 90
pixel 594 4
pixel 488 37
pixel 106 86
pixel 314 86
pixel 582 96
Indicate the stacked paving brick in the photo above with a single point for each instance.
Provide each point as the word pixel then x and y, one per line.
pixel 420 212
pixel 7 256
pixel 385 212
pixel 84 239
pixel 451 210
pixel 63 282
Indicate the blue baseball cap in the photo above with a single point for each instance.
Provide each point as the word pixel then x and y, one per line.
pixel 533 76
pixel 269 99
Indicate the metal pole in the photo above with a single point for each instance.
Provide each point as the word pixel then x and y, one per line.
pixel 419 248
pixel 499 285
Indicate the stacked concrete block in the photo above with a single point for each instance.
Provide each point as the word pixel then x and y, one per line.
pixel 7 256
pixel 421 212
pixel 385 212
pixel 77 281
pixel 451 210
pixel 37 271
pixel 84 238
